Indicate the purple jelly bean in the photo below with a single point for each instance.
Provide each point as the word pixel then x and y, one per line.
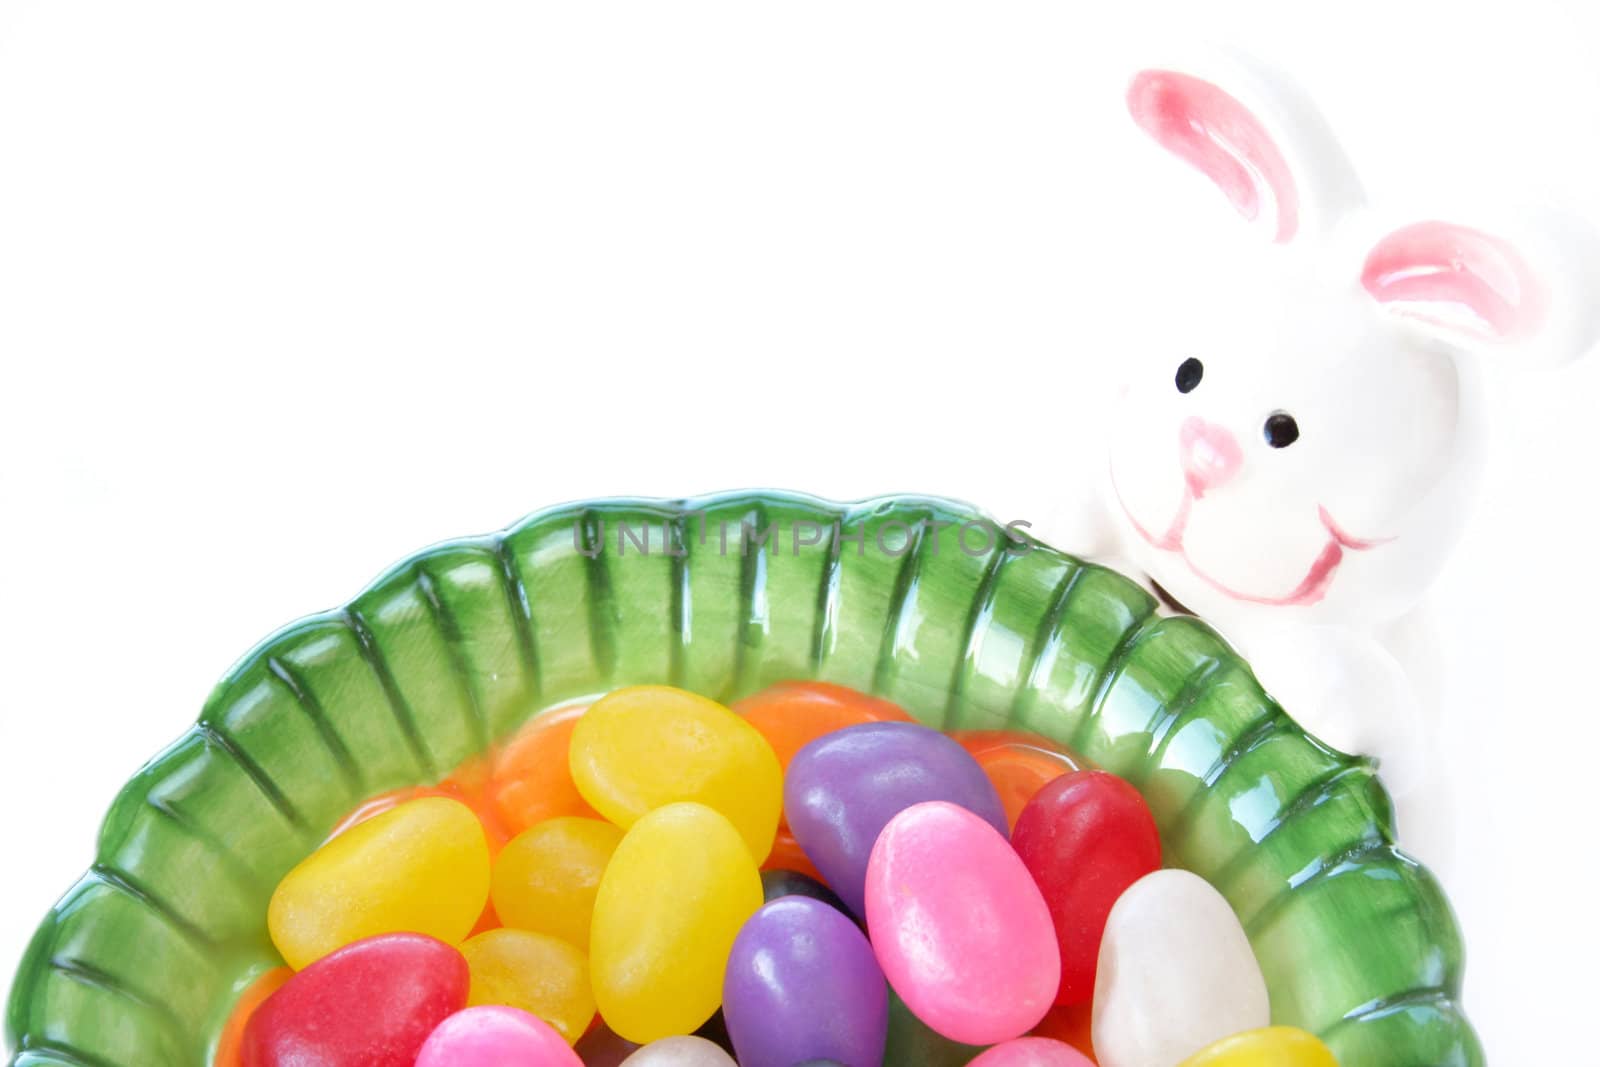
pixel 843 788
pixel 802 984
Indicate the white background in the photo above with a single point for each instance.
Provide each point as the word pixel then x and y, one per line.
pixel 291 289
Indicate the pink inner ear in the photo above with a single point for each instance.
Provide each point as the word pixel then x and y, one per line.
pixel 1439 270
pixel 1213 132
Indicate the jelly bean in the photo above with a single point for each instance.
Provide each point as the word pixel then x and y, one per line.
pixel 487 920
pixel 373 1002
pixel 649 745
pixel 1274 1046
pixel 679 1052
pixel 494 1036
pixel 843 789
pixel 230 1041
pixel 787 854
pixel 542 975
pixel 463 786
pixel 493 832
pixel 531 780
pixel 714 1030
pixel 422 867
pixel 1176 973
pixel 801 984
pixel 912 1043
pixel 1032 1052
pixel 775 884
pixel 671 901
pixel 1085 838
pixel 791 715
pixel 469 783
pixel 547 876
pixel 1070 1023
pixel 1018 764
pixel 601 1047
pixel 958 925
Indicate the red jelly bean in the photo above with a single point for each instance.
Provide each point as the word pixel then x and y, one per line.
pixel 1072 1024
pixel 370 1004
pixel 1085 837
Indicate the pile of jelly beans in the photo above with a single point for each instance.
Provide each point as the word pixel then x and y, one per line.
pixel 807 878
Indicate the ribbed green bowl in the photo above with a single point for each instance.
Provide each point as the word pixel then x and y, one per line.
pixel 140 961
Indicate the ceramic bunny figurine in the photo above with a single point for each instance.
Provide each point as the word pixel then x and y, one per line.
pixel 1297 471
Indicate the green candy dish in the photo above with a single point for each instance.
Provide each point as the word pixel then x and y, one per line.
pixel 923 601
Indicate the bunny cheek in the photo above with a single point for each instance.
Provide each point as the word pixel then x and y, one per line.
pixel 1167 536
pixel 1148 488
pixel 1286 559
pixel 1199 542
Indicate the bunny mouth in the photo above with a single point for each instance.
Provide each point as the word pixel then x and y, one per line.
pixel 1311 588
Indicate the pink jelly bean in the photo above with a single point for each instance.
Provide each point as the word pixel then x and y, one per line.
pixel 958 926
pixel 495 1037
pixel 1032 1052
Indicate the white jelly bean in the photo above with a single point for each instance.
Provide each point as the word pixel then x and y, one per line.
pixel 680 1052
pixel 1175 974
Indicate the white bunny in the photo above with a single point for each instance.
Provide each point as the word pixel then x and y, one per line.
pixel 1298 471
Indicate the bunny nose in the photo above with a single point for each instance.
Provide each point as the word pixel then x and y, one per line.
pixel 1210 454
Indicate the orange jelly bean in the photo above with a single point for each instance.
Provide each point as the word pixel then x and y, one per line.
pixel 1019 764
pixel 467 785
pixel 531 780
pixel 790 715
pixel 229 1043
pixel 787 855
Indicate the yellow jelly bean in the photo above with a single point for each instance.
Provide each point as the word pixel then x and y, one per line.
pixel 639 748
pixel 546 877
pixel 421 867
pixel 1272 1046
pixel 540 974
pixel 670 904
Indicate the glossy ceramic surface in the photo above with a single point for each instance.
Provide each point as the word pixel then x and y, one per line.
pixel 1310 453
pixel 454 648
pixel 1298 464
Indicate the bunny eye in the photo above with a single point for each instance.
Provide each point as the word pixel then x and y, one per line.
pixel 1190 371
pixel 1280 429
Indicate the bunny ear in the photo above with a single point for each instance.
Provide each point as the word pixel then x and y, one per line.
pixel 1476 286
pixel 1457 278
pixel 1252 133
pixel 1217 135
